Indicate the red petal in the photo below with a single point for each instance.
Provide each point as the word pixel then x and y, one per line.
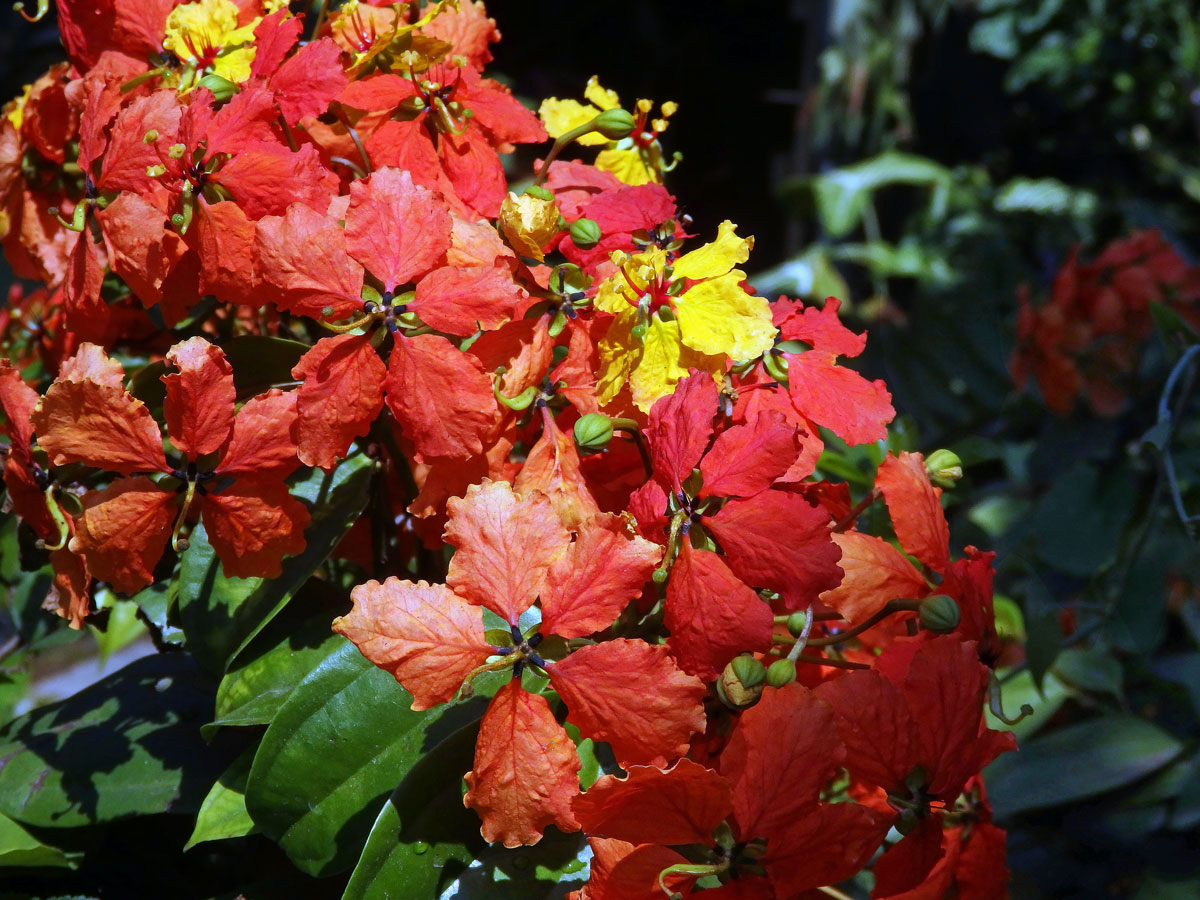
pixel 128 154
pixel 819 327
pixel 306 83
pixel 632 695
pixel 783 753
pixel 746 459
pixel 523 347
pixel 424 634
pixel 905 865
pixel 123 531
pixel 252 527
pixel 463 300
pixel 600 573
pixel 681 805
pixel 505 544
pixel 91 363
pixel 712 617
pixel 377 92
pixel 223 238
pixel 200 397
pixel 341 393
pixel 262 448
pixel 397 229
pixel 301 264
pixel 69 596
pixel 875 572
pixel 840 399
pixel 87 313
pixel 915 508
pixel 100 426
pixel 245 122
pixel 17 401
pixel 440 396
pixel 497 110
pixel 621 871
pixel 474 170
pixel 274 36
pixel 779 541
pixel 829 845
pixel 874 722
pixel 265 181
pixel 525 770
pixel 680 428
pixel 141 249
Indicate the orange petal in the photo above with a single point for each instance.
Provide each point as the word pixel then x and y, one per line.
pixel 632 695
pixel 200 397
pixel 340 395
pixel 854 409
pixel 424 634
pixel 599 574
pixel 262 448
pixel 916 509
pixel 123 531
pixel 746 459
pixel 252 527
pixel 875 572
pixel 505 544
pixel 552 467
pixel 301 264
pixel 526 770
pixel 100 426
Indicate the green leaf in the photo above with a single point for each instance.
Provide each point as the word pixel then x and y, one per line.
pixel 1079 520
pixel 223 812
pixel 261 363
pixel 156 603
pixel 221 615
pixel 843 194
pixel 121 628
pixel 1078 762
pixel 1045 196
pixel 128 745
pixel 1043 635
pixel 541 872
pixel 263 677
pixel 1174 330
pixel 423 837
pixel 334 752
pixel 1090 670
pixel 20 848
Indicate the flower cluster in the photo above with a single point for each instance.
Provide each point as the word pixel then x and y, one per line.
pixel 1087 338
pixel 617 437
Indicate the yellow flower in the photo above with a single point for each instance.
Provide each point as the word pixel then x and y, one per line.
pixel 677 314
pixel 637 159
pixel 205 35
pixel 14 110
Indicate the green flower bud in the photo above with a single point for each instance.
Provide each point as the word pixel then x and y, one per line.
pixel 614 124
pixel 781 672
pixel 944 468
pixel 639 332
pixel 585 233
pixel 749 671
pixel 222 88
pixel 939 614
pixel 795 623
pixel 538 191
pixel 593 432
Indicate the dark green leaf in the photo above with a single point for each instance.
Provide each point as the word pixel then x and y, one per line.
pixel 1077 762
pixel 128 745
pixel 157 604
pixel 334 752
pixel 261 362
pixel 1080 518
pixel 221 615
pixel 1090 670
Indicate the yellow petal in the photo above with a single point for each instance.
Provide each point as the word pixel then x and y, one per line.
pixel 717 316
pixel 619 352
pixel 561 116
pixel 199 26
pixel 600 96
pixel 629 165
pixel 665 360
pixel 717 258
pixel 236 64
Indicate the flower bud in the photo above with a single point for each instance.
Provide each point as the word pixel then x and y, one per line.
pixel 781 672
pixel 939 613
pixel 795 623
pixel 734 691
pixel 222 88
pixel 944 468
pixel 614 124
pixel 749 671
pixel 593 432
pixel 585 233
pixel 538 191
pixel 529 222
